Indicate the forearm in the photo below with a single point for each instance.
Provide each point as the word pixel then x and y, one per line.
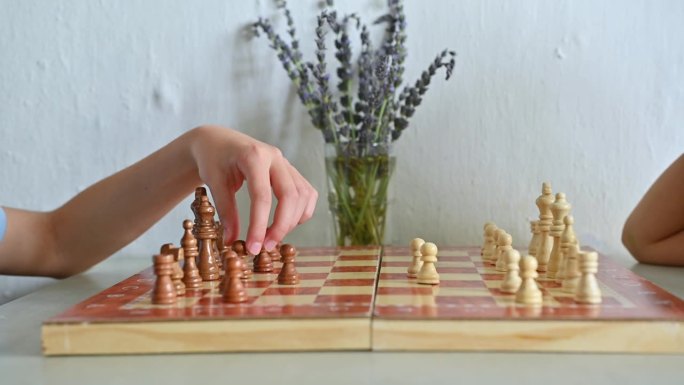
pixel 117 210
pixel 103 218
pixel 654 231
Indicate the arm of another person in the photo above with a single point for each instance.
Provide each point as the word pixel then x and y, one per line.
pixel 654 231
pixel 116 210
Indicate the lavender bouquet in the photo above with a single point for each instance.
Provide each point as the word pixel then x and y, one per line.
pixel 363 117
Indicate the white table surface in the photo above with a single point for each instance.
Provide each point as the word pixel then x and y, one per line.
pixel 21 361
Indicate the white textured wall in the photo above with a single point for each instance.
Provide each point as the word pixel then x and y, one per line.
pixel 586 94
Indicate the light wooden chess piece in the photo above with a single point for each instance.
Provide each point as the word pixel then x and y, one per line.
pixel 511 282
pixel 544 203
pixel 428 273
pixel 164 292
pixel 560 209
pixel 498 240
pixel 567 239
pixel 534 242
pixel 417 261
pixel 571 272
pixel 506 241
pixel 484 236
pixel 191 276
pixel 490 244
pixel 529 293
pixel 587 289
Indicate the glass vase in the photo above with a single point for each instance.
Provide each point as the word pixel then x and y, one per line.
pixel 359 193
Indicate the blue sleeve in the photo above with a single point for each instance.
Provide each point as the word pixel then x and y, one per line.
pixel 3 223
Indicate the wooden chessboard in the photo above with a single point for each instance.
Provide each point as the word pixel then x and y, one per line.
pixel 354 299
pixel 467 311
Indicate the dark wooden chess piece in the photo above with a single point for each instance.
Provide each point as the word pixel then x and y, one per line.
pixel 228 253
pixel 191 276
pixel 177 274
pixel 241 249
pixel 207 234
pixel 234 291
pixel 263 263
pixel 164 293
pixel 288 274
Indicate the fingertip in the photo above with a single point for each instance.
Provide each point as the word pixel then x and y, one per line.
pixel 254 247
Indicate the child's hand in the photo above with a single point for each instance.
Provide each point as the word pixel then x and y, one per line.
pixel 225 159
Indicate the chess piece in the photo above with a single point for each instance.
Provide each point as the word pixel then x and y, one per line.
pixel 416 262
pixel 428 272
pixel 529 293
pixel 534 242
pixel 490 244
pixel 544 203
pixel 498 240
pixel 567 239
pixel 228 253
pixel 234 291
pixel 263 263
pixel 219 246
pixel 240 248
pixel 206 233
pixel 511 282
pixel 164 293
pixel 587 289
pixel 177 274
pixel 484 236
pixel 559 209
pixel 191 276
pixel 275 255
pixel 194 206
pixel 177 277
pixel 571 272
pixel 506 241
pixel 288 274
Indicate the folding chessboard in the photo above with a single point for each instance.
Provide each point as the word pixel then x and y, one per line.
pixel 356 299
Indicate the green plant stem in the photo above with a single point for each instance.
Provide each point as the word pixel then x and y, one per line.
pixel 380 117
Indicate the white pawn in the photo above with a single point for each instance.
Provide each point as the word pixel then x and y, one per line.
pixel 417 261
pixel 498 240
pixel 587 288
pixel 511 282
pixel 484 243
pixel 490 245
pixel 506 240
pixel 428 273
pixel 534 242
pixel 571 273
pixel 568 238
pixel 529 293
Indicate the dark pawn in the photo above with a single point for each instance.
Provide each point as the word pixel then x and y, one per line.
pixel 275 255
pixel 164 292
pixel 234 291
pixel 225 255
pixel 288 274
pixel 240 248
pixel 263 263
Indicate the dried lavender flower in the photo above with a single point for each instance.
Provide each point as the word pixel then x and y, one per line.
pixel 377 114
